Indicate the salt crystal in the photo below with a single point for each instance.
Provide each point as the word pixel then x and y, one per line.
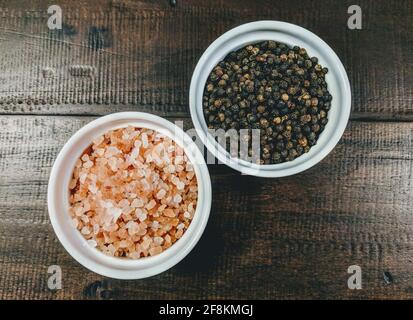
pixel 100 152
pixel 169 213
pixel 157 160
pixel 132 231
pixel 161 193
pixel 86 205
pixel 135 152
pixel 146 243
pixel 79 211
pixel 137 203
pixel 87 164
pixel 141 231
pixel 155 250
pixel 75 222
pixel 151 204
pixel 168 238
pixel 171 168
pixel 142 216
pixel 159 149
pixel 106 204
pixel 82 177
pixel 123 203
pixel 111 249
pixel 175 180
pixel 179 233
pixel 112 162
pixel 72 184
pixel 144 140
pixel 138 211
pixel 114 213
pixel 111 151
pixel 177 198
pixel 145 184
pixel 155 224
pixel 85 230
pixel 125 136
pixel 134 255
pixel 113 193
pixel 191 207
pixel 93 188
pixel 178 160
pixel 158 240
pixel 129 224
pixel 123 244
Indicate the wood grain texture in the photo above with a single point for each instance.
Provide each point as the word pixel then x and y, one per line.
pixel 143 52
pixel 267 238
pixel 283 238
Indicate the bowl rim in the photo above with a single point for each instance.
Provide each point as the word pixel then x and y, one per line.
pixel 286 168
pixel 94 259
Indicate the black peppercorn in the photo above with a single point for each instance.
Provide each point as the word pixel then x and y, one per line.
pixel 261 109
pixel 285 97
pixel 264 123
pixel 272 87
pixel 217 103
pixel 314 60
pixel 221 116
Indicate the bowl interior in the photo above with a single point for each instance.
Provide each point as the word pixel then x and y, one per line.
pixel 291 35
pixel 71 238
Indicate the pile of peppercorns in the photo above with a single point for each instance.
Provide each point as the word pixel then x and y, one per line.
pixel 272 87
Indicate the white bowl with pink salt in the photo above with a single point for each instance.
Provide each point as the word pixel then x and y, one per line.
pixel 129 195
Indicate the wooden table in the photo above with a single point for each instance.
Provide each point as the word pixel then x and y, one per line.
pixel 285 238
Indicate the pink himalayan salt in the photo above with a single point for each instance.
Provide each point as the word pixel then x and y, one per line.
pixel 133 193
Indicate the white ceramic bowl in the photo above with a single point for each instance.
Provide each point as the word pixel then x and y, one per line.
pixel 290 34
pixel 58 199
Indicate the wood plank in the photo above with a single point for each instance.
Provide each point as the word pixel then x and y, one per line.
pixel 267 238
pixel 142 53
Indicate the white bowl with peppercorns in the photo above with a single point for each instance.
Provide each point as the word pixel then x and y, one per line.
pixel 277 78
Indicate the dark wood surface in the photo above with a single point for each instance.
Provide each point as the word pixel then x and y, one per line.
pixel 267 238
